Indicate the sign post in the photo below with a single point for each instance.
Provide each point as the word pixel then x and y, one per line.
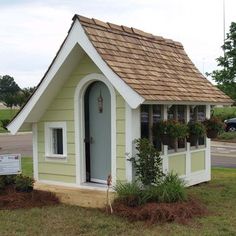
pixel 10 164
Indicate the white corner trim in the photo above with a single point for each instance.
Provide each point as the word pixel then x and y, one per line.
pixel 35 150
pixel 79 125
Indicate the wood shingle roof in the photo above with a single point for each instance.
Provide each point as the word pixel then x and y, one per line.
pixel 156 68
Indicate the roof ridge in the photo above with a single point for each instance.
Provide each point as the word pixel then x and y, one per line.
pixel 126 29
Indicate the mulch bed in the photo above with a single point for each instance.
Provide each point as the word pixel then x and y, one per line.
pixel 11 199
pixel 180 212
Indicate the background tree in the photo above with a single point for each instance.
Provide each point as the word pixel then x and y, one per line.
pixel 11 94
pixel 23 95
pixel 8 91
pixel 225 77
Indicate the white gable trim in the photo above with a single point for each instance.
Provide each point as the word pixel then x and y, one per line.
pixel 76 35
pixel 132 97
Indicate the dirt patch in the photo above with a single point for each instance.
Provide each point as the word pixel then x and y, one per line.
pixel 11 199
pixel 180 212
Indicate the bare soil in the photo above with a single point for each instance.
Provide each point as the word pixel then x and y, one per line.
pixel 11 199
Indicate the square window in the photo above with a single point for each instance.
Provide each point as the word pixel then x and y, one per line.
pixel 55 139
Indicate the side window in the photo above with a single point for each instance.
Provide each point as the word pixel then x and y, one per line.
pixel 55 140
pixel 150 115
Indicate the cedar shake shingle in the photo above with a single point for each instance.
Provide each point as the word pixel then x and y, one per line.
pixel 156 68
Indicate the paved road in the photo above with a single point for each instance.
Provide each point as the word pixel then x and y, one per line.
pixel 223 154
pixel 14 144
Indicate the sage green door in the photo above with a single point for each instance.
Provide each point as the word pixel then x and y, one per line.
pixel 100 132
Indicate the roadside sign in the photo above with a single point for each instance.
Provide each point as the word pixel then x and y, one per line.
pixel 10 164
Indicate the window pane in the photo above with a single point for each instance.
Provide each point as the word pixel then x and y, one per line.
pixel 201 113
pixel 171 113
pixel 157 116
pixel 57 138
pixel 193 113
pixel 144 121
pixel 181 113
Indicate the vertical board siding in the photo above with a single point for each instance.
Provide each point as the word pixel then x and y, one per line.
pixel 197 161
pixel 177 164
pixel 62 109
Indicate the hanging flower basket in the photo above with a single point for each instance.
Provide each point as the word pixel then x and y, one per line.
pixel 213 127
pixel 169 130
pixel 212 133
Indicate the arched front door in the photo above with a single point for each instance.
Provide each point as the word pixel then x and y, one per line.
pixel 98 132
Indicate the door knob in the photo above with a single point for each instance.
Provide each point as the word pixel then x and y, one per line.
pixel 91 140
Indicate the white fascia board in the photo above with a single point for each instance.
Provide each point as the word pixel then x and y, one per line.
pixel 130 96
pixel 184 103
pixel 76 35
pixel 70 42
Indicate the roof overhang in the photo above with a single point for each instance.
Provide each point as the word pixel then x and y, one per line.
pixel 188 103
pixel 67 58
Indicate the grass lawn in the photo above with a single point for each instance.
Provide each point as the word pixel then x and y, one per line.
pixel 27 166
pixel 219 196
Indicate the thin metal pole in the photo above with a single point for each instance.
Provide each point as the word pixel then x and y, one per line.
pixel 224 24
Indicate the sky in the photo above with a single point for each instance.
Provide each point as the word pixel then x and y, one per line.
pixel 31 32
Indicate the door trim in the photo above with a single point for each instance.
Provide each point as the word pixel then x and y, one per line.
pixel 80 130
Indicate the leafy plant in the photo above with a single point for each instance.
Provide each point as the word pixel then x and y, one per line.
pixel 129 194
pixel 196 128
pixel 9 179
pixel 214 124
pixel 172 128
pixel 172 189
pixel 147 163
pixel 24 183
pixel 2 183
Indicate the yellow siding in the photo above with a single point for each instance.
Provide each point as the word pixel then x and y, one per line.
pixel 177 164
pixel 120 138
pixel 62 109
pixel 197 161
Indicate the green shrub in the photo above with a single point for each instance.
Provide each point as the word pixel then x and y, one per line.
pixel 129 194
pixel 227 136
pixel 147 163
pixel 24 183
pixel 4 123
pixel 2 183
pixel 9 179
pixel 172 189
pixel 224 113
pixel 152 193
